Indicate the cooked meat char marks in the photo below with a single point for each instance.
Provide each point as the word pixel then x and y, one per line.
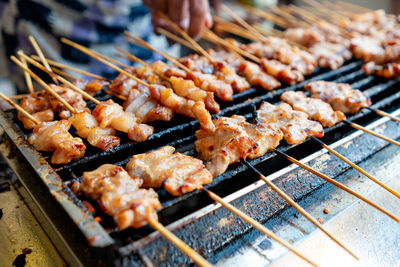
pixel 73 98
pixel 91 87
pixel 339 95
pixel 54 137
pixel 219 68
pixel 176 172
pixel 257 77
pixel 110 114
pixel 39 107
pixel 119 195
pixel 183 106
pixel 279 49
pixel 145 107
pixel 87 127
pixel 317 109
pixel 187 89
pixel 281 71
pixel 324 42
pixel 234 139
pixel 295 125
pixel 387 71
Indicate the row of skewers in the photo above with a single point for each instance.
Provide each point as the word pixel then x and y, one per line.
pixel 125 194
pixel 329 33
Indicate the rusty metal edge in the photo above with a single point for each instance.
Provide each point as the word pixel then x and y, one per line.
pixel 91 229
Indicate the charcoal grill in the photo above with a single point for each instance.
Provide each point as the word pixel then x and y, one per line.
pixel 203 225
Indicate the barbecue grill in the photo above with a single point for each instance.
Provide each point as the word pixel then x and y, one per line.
pixel 210 230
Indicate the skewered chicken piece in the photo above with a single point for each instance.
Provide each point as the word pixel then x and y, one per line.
pixel 73 98
pixel 317 109
pixel 54 137
pixel 369 23
pixel 119 195
pixel 166 96
pixel 183 106
pixel 279 49
pixel 168 70
pixel 327 46
pixel 205 82
pixel 145 107
pixel 257 77
pixel 295 125
pixel 122 83
pixel 91 87
pixel 307 37
pixel 229 58
pixel 340 95
pixel 110 114
pixel 188 89
pixel 219 68
pixel 87 127
pixel 39 107
pixel 369 48
pixel 176 172
pixel 211 83
pixel 234 139
pixel 386 71
pixel 330 55
pixel 182 87
pixel 281 71
pixel 139 100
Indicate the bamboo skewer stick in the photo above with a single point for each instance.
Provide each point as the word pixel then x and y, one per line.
pixel 28 78
pixel 115 94
pixel 267 16
pixel 103 60
pixel 137 40
pixel 354 7
pixel 39 52
pixel 236 31
pixel 136 59
pixel 232 47
pixel 286 14
pixel 63 73
pixel 187 37
pixel 337 184
pixel 66 67
pixel 257 225
pixel 191 253
pixel 384 114
pixel 360 170
pixel 243 23
pixel 61 79
pixel 297 207
pixel 43 84
pixel 19 108
pixel 359 127
pixel 175 38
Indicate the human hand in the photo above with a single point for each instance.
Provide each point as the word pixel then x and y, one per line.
pixel 193 16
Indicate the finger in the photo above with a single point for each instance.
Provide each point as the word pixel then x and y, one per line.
pixel 161 5
pixel 155 7
pixel 178 12
pixel 198 13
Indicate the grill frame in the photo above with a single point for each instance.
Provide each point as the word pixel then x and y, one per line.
pixel 100 242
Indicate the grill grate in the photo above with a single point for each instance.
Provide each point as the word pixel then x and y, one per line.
pixel 180 134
